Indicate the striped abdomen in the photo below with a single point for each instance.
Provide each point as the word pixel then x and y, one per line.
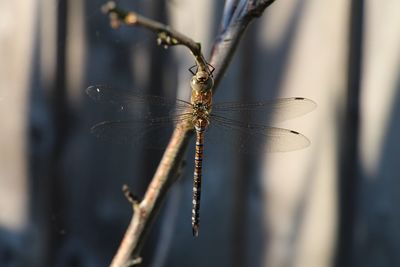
pixel 198 162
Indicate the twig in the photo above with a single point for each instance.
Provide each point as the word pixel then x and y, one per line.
pixel 170 165
pixel 165 35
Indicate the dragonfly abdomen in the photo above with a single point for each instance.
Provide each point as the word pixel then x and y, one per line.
pixel 198 163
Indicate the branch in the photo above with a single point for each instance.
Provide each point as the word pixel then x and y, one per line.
pixel 145 211
pixel 230 34
pixel 169 168
pixel 165 35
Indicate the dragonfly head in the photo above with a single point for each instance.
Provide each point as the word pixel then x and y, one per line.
pixel 202 81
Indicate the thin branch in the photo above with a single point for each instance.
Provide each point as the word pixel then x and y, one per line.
pixel 144 213
pixel 169 168
pixel 165 35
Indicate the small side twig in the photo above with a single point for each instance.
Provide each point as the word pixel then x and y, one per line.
pixel 134 200
pixel 169 168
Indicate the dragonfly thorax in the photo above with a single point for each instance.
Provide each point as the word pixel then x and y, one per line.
pixel 201 99
pixel 201 116
pixel 201 84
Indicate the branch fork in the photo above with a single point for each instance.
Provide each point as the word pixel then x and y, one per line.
pixel 233 25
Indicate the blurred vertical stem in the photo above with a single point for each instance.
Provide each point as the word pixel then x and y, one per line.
pixel 349 180
pixel 244 163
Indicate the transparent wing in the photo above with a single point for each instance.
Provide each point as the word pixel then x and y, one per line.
pixel 134 131
pixel 277 110
pixel 131 99
pixel 138 118
pixel 256 137
pixel 143 118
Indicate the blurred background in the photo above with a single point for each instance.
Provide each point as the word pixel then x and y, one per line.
pixel 332 204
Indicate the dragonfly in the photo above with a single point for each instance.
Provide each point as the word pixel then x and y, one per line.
pixel 200 113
